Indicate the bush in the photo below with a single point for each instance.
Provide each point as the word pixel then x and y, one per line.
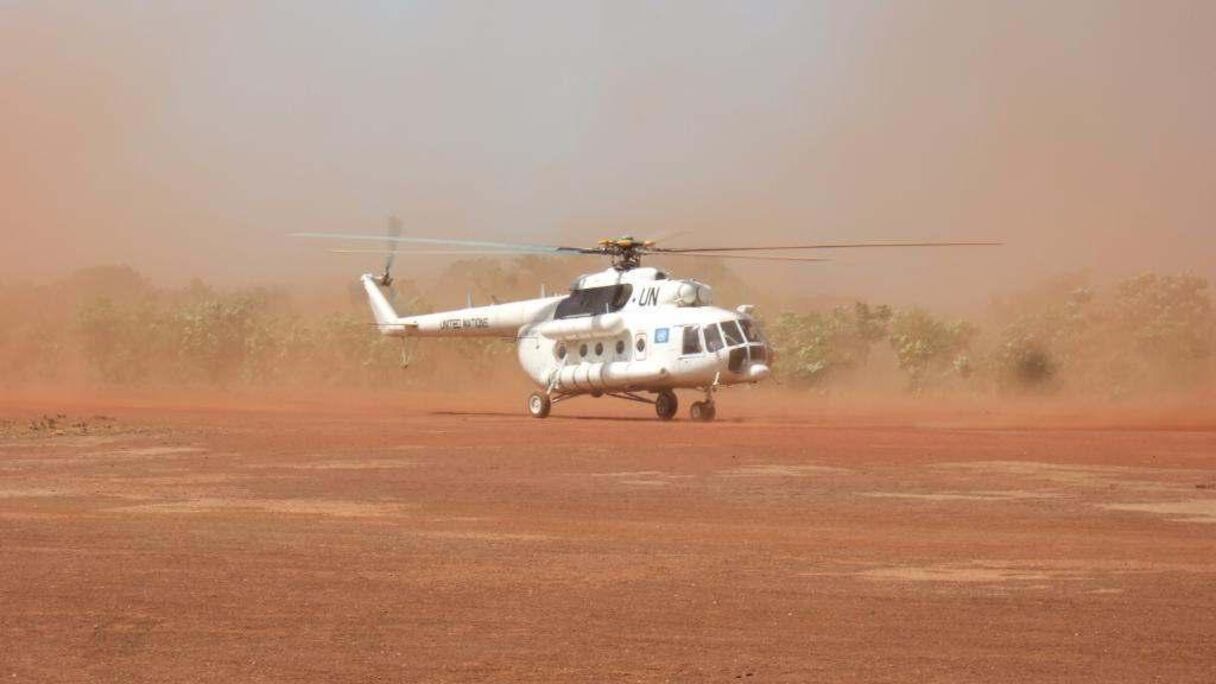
pixel 120 340
pixel 926 346
pixel 816 347
pixel 1149 332
pixel 1166 324
pixel 1024 362
pixel 215 336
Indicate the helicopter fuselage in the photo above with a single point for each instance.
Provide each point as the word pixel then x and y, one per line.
pixel 618 332
pixel 615 332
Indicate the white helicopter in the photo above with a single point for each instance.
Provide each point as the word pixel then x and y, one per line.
pixel 621 332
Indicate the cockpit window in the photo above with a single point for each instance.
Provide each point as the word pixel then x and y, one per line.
pixel 749 330
pixel 593 301
pixel 713 339
pixel 734 336
pixel 692 340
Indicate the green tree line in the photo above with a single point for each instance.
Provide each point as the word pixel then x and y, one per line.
pixel 1150 332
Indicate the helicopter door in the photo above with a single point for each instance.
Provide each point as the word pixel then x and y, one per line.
pixel 692 360
pixel 640 344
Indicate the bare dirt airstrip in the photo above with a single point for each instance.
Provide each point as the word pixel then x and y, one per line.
pixel 148 537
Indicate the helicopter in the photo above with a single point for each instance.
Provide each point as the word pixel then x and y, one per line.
pixel 629 332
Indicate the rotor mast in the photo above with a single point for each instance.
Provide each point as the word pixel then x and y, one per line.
pixel 625 253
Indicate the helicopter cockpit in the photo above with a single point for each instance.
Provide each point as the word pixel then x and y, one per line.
pixel 741 337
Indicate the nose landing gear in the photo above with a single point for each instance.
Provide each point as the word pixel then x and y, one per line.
pixel 703 411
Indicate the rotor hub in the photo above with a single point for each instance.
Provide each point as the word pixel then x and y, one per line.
pixel 625 252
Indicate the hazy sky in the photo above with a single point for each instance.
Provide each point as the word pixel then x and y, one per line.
pixel 186 138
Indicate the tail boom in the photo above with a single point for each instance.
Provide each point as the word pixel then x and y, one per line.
pixel 497 320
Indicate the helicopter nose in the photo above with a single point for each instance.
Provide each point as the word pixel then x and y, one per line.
pixel 758 371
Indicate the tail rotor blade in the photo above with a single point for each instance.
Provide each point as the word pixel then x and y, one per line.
pixel 394 232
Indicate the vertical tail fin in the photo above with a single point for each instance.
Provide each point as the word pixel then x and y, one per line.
pixel 386 317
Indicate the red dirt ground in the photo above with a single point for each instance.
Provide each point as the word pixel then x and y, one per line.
pixel 342 538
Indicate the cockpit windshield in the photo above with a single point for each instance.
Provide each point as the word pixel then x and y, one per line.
pixel 750 331
pixel 734 336
pixel 721 335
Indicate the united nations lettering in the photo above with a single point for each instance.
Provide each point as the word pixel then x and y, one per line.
pixel 464 323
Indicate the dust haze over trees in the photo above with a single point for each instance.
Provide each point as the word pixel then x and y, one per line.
pixel 1149 333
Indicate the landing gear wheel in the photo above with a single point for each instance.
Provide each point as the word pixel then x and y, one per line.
pixel 703 411
pixel 539 405
pixel 666 405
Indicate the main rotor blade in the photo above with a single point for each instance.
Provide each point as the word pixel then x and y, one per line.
pixel 520 247
pixel 475 252
pixel 751 257
pixel 668 235
pixel 824 245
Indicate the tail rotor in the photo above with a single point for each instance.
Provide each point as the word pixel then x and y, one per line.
pixel 394 232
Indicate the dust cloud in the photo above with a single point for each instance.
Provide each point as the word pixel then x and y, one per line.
pixel 156 156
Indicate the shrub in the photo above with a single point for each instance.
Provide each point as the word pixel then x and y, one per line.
pixel 1026 363
pixel 817 346
pixel 925 345
pixel 119 340
pixel 1165 322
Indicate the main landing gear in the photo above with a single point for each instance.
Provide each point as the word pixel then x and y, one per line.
pixel 539 405
pixel 666 403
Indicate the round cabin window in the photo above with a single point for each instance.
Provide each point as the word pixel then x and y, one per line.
pixel 599 348
pixel 620 347
pixel 582 350
pixel 561 351
pixel 641 344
